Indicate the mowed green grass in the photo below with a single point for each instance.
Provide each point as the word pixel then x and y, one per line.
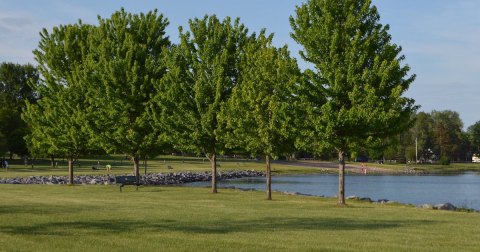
pixel 100 218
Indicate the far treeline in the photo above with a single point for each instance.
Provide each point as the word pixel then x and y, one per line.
pixel 121 86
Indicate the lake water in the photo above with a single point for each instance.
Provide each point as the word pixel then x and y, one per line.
pixel 462 190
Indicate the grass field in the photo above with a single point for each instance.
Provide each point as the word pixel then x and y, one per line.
pixel 100 218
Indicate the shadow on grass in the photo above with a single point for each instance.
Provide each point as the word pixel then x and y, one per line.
pixel 40 209
pixel 106 227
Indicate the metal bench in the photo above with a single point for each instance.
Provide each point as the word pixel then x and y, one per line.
pixel 122 181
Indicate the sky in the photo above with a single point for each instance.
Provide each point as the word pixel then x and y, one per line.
pixel 440 38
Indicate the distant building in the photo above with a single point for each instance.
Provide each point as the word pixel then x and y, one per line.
pixel 476 158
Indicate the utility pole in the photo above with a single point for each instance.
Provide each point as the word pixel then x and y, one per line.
pixel 416 150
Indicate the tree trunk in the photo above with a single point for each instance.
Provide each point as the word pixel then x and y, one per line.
pixel 269 179
pixel 341 178
pixel 11 156
pixel 70 171
pixel 136 169
pixel 52 161
pixel 213 162
pixel 145 165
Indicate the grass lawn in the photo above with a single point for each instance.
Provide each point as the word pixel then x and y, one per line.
pixel 100 218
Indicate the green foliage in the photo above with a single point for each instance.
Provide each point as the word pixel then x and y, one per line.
pixel 444 161
pixel 202 71
pixel 358 72
pixel 447 132
pixel 358 69
pixel 259 117
pixel 474 136
pixel 14 91
pixel 96 87
pixel 260 114
pixel 422 131
pixel 124 62
pixel 438 133
pixel 3 143
pixel 14 83
pixel 58 120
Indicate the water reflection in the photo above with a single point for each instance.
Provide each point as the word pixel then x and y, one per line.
pixel 462 190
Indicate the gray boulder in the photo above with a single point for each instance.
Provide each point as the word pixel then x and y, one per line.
pixel 446 206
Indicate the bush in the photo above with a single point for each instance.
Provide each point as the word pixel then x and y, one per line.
pixel 444 161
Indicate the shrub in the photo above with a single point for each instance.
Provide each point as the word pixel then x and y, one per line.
pixel 444 161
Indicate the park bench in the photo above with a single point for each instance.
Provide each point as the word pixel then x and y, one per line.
pixel 122 181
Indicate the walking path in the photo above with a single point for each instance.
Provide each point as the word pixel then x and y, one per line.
pixel 355 167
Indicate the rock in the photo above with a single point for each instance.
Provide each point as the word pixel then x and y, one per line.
pixel 426 206
pixel 446 206
pixel 148 179
pixel 366 199
pixel 303 194
pixel 383 201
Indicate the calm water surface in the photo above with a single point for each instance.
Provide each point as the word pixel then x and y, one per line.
pixel 461 190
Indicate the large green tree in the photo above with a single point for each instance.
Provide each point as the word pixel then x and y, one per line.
pixel 422 134
pixel 259 117
pixel 474 136
pixel 124 62
pixel 358 70
pixel 58 120
pixel 202 72
pixel 447 133
pixel 14 91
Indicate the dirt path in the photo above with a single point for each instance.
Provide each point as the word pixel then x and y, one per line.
pixel 355 168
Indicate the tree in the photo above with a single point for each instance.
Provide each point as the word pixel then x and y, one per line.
pixel 474 136
pixel 124 62
pixel 359 72
pixel 259 117
pixel 14 91
pixel 202 71
pixel 422 132
pixel 3 143
pixel 58 120
pixel 447 132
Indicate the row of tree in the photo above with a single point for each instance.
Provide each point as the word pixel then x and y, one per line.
pixel 435 136
pixel 121 86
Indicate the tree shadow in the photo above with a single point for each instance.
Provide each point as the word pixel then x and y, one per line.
pixel 40 209
pixel 210 226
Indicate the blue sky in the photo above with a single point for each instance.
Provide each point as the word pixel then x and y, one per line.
pixel 440 38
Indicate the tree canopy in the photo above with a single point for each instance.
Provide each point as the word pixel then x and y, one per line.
pixel 358 70
pixel 96 86
pixel 474 136
pixel 124 62
pixel 58 120
pixel 202 72
pixel 259 116
pixel 15 89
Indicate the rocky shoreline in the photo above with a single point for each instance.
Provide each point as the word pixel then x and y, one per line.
pixel 148 179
